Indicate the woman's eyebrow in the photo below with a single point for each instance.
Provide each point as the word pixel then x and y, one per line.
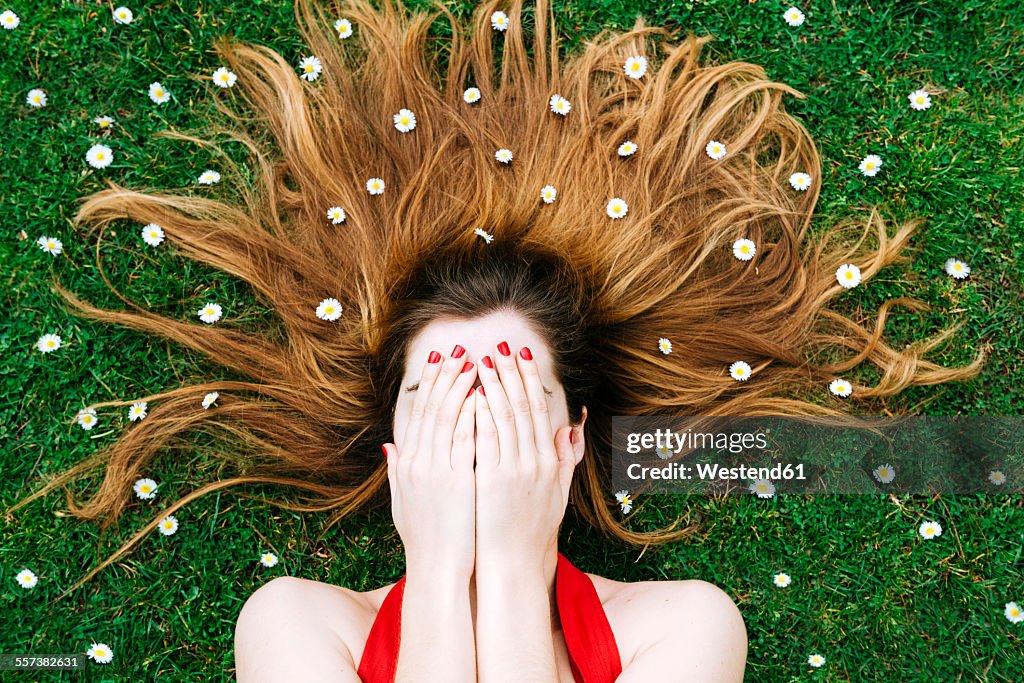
pixel 414 387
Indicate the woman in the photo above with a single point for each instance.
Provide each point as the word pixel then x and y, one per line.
pixel 631 217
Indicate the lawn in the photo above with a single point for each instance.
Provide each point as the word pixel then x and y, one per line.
pixel 868 593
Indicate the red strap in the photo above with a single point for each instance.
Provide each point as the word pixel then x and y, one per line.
pixel 380 654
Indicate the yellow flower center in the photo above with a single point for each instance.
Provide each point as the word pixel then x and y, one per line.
pixel 849 275
pixel 49 342
pixel 159 92
pixel 636 66
pixel 870 165
pixel 101 652
pixel 1015 612
pixel 739 371
pixel 404 120
pixel 329 310
pixel 99 156
pixel 744 249
pixel 144 488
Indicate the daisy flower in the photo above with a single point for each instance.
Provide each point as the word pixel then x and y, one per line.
pixel 158 93
pixel 9 20
pixel 762 488
pixel 311 68
pixel 123 15
pixel 137 411
pixel 145 489
pixel 840 387
pixel 100 653
pixel 225 78
pixel 800 181
pixel 268 559
pixel 405 120
pixel 1012 612
pixel 616 208
pixel 781 579
pixel 483 233
pixel 329 309
pixel 957 269
pixel 627 148
pixel 625 501
pixel 168 525
pixel 375 186
pixel 715 149
pixel 919 100
pixel 50 245
pixel 210 313
pixel 884 473
pixel 343 27
pixel 499 21
pixel 559 105
pixel 663 451
pixel 816 660
pixel 336 214
pixel 99 156
pixel 210 398
pixel 870 164
pixel 26 578
pixel 152 234
pixel 665 346
pixel 36 97
pixel 503 155
pixel 793 16
pixel 930 529
pixel 48 343
pixel 103 121
pixel 739 370
pixel 548 193
pixel 86 418
pixel 848 275
pixel 744 249
pixel 635 66
pixel 208 177
pixel 997 477
pixel 471 95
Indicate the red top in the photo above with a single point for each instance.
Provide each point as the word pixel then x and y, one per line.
pixel 593 654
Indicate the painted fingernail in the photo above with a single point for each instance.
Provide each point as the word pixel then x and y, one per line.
pixel 458 351
pixel 572 436
pixel 525 353
pixel 503 349
pixel 467 367
pixel 470 392
pixel 385 449
pixel 486 360
pixel 481 388
pixel 433 357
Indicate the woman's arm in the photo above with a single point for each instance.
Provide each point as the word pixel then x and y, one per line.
pixel 437 627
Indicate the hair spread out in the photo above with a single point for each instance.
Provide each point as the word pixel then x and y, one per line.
pixel 601 291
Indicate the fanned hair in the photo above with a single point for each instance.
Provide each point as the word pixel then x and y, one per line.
pixel 601 291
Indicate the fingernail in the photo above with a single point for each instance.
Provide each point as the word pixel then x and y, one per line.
pixel 481 388
pixel 503 349
pixel 385 449
pixel 525 353
pixel 467 367
pixel 486 360
pixel 572 436
pixel 433 357
pixel 470 392
pixel 458 351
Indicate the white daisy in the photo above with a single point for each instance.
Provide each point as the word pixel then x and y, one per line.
pixel 99 156
pixel 663 451
pixel 483 233
pixel 26 578
pixel 210 399
pixel 103 121
pixel 793 16
pixel 919 100
pixel 930 529
pixel 665 346
pixel 145 489
pixel 625 501
pixel 48 343
pixel 559 105
pixel 870 164
pixel 816 660
pixel 715 149
pixel 635 66
pixel 36 97
pixel 336 214
pixel 343 27
pixel 762 488
pixel 848 275
pixel 168 525
pixel 100 653
pixel 739 370
pixel 375 186
pixel 800 181
pixel 781 579
pixel 548 193
pixel 123 15
pixel 158 93
pixel 208 177
pixel 471 95
pixel 225 78
pixel 503 155
pixel 152 234
pixel 616 208
pixel 1013 613
pixel 884 473
pixel 137 411
pixel 86 418
pixel 499 21
pixel 997 477
pixel 311 68
pixel 329 309
pixel 744 249
pixel 627 148
pixel 268 559
pixel 210 313
pixel 957 269
pixel 405 120
pixel 840 387
pixel 50 245
pixel 9 20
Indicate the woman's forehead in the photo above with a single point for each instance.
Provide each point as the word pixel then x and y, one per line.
pixel 479 337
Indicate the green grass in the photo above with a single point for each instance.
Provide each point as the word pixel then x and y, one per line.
pixel 867 592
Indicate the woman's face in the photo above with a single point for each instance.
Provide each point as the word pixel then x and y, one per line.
pixel 480 337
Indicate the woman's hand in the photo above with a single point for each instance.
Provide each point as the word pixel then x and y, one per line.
pixel 431 471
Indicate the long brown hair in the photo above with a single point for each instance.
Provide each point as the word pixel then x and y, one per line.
pixel 601 291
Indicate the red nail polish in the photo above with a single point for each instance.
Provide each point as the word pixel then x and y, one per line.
pixel 385 449
pixel 503 349
pixel 572 436
pixel 458 351
pixel 470 392
pixel 433 357
pixel 486 360
pixel 481 388
pixel 525 353
pixel 467 367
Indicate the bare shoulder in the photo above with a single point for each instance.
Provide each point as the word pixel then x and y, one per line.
pixel 691 629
